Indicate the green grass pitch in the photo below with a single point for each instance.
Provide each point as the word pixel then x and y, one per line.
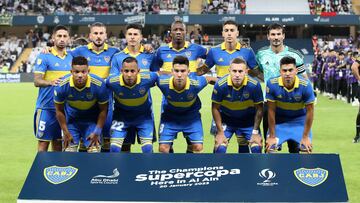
pixel 333 130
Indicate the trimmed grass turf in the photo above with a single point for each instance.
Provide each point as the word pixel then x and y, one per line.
pixel 333 130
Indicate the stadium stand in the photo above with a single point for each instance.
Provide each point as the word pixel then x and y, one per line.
pixel 295 7
pixel 10 49
pixel 224 7
pixel 66 7
pixel 327 7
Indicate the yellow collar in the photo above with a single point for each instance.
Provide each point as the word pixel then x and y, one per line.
pixel 186 45
pixel 237 47
pixel 56 53
pixel 87 85
pixel 230 83
pixel 90 46
pixel 122 83
pixel 296 84
pixel 141 50
pixel 171 84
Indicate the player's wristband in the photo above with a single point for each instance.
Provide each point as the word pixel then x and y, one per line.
pixel 255 132
pixel 97 131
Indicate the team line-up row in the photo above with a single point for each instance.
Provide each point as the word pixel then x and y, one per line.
pixel 83 112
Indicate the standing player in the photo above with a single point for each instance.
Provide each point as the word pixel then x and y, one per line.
pixel 355 70
pixel 291 107
pixel 134 49
pixel 84 97
pixel 178 46
pixel 269 58
pixel 99 55
pixel 237 104
pixel 133 105
pixel 49 68
pixel 221 55
pixel 180 107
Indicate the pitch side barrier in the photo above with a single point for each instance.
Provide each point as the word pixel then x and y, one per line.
pixel 82 177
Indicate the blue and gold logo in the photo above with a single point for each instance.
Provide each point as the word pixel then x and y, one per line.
pixel 57 174
pixel 311 177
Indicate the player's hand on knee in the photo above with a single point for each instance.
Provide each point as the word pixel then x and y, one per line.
pixel 271 143
pixel 256 139
pixel 94 140
pixel 67 139
pixel 220 139
pixel 305 145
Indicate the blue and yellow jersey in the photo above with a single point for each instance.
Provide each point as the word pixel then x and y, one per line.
pixel 135 100
pixel 165 55
pixel 81 104
pixel 289 103
pixel 181 104
pixel 237 105
pixel 144 59
pixel 99 62
pixel 221 58
pixel 53 67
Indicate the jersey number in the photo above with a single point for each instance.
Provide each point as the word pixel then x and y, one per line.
pixel 42 125
pixel 117 125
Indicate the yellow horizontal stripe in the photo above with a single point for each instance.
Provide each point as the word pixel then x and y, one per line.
pixel 221 71
pixel 182 104
pixel 82 105
pixel 132 102
pixel 237 105
pixel 53 75
pixel 290 106
pixel 100 71
pixel 57 102
pixel 103 102
pixel 167 66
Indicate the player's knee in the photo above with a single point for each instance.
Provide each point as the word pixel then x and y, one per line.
pixel 197 148
pixel 105 144
pixel 43 146
pixel 164 148
pixel 115 148
pixel 72 148
pixel 242 141
pixel 221 149
pixel 255 149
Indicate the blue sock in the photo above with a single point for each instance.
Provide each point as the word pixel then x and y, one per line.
pixel 243 149
pixel 221 149
pixel 147 148
pixel 255 149
pixel 115 148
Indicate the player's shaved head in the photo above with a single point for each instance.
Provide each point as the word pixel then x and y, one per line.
pixel 178 22
pixel 238 60
pixel 129 60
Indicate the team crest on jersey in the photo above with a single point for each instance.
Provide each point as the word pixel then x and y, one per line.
pixel 89 95
pixel 144 62
pixel 88 58
pixel 142 90
pixel 188 54
pixel 57 64
pixel 221 60
pixel 39 61
pixel 311 177
pixel 297 97
pixel 168 56
pixel 107 59
pixel 190 96
pixel 246 95
pixel 57 174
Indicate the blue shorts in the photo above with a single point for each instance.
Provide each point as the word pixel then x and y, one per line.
pixel 191 128
pixel 81 131
pixel 46 126
pixel 291 130
pixel 239 131
pixel 143 126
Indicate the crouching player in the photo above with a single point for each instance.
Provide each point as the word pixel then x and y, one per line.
pixel 181 105
pixel 133 105
pixel 291 107
pixel 81 102
pixel 237 107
